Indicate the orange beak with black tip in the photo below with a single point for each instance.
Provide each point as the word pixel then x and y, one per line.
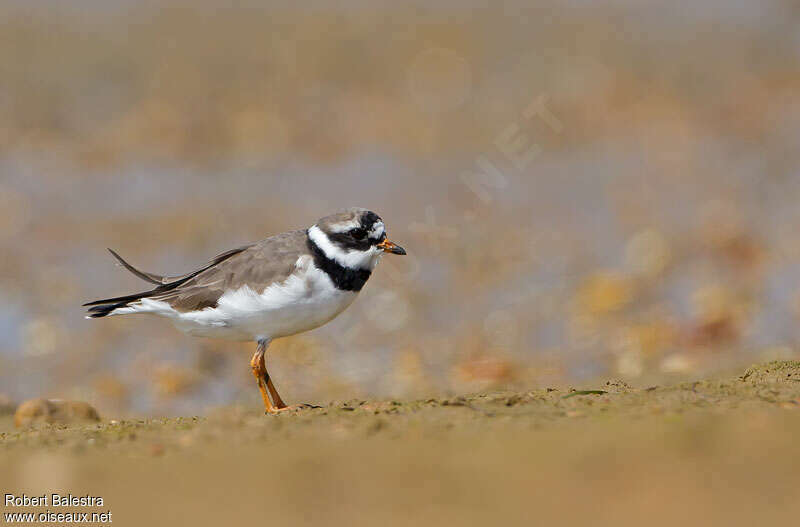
pixel 391 247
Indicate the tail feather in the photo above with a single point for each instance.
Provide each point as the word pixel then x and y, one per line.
pixel 127 299
pixel 104 310
pixel 164 284
pixel 144 275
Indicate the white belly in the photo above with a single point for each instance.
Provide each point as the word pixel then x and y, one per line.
pixel 304 301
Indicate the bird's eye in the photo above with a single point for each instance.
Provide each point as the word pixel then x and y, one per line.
pixel 358 234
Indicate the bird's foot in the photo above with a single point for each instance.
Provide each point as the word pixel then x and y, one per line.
pixel 292 408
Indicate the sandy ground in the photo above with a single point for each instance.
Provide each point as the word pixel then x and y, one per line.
pixel 714 452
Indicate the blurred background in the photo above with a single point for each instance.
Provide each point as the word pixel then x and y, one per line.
pixel 586 189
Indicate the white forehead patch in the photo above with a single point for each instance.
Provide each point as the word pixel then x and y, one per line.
pixel 344 226
pixel 377 230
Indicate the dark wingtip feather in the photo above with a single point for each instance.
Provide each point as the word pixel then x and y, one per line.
pixel 147 277
pixel 104 310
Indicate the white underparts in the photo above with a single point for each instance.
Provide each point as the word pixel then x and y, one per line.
pixel 305 300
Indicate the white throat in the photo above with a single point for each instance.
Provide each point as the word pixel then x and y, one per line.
pixel 351 259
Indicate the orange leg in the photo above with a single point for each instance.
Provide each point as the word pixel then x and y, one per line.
pixel 273 403
pixel 262 377
pixel 274 393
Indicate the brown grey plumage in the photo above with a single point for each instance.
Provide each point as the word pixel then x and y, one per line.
pixel 259 265
pixel 283 285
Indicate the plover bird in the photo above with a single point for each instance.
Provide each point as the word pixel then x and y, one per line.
pixel 280 286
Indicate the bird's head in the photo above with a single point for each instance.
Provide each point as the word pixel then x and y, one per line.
pixel 355 238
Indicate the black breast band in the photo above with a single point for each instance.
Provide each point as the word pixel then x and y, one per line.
pixel 342 277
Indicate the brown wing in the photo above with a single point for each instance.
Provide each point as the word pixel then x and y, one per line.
pixel 259 265
pixel 101 308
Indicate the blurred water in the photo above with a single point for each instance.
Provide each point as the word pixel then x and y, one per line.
pixel 676 125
